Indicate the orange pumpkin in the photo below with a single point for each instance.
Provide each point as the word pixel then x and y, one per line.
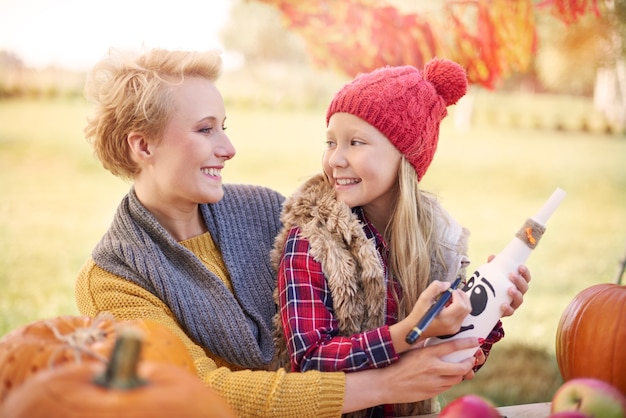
pixel 126 387
pixel 48 343
pixel 591 335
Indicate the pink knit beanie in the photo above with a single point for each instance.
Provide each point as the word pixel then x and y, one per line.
pixel 405 105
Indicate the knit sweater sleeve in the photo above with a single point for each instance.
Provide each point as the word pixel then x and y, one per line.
pixel 250 393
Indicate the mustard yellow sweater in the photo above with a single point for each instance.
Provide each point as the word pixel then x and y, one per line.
pixel 251 393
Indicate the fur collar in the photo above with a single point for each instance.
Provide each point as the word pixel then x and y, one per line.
pixel 349 259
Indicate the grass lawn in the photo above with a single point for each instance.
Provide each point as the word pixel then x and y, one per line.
pixel 56 201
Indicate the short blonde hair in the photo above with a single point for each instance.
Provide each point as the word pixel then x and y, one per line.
pixel 133 93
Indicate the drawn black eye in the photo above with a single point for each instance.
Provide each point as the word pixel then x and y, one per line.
pixel 477 294
pixel 478 299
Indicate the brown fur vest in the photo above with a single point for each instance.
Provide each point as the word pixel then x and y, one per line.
pixel 351 265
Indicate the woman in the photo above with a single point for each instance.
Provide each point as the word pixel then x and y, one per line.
pixel 193 254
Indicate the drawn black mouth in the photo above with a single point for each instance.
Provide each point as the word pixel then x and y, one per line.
pixel 463 329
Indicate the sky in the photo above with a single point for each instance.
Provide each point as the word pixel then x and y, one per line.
pixel 75 34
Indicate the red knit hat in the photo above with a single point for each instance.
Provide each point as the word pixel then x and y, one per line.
pixel 405 105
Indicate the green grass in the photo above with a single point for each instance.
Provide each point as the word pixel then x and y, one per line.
pixel 56 201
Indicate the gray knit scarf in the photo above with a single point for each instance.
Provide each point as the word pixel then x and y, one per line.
pixel 236 327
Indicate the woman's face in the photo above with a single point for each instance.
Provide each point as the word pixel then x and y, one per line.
pixel 361 164
pixel 185 165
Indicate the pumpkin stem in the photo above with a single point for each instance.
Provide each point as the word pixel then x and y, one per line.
pixel 620 271
pixel 121 370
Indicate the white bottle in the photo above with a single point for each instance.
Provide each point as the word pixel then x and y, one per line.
pixel 487 287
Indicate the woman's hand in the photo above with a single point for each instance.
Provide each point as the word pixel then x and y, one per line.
pixel 419 374
pixel 448 321
pixel 479 359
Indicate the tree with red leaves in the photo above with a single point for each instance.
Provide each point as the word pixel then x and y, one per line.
pixel 490 38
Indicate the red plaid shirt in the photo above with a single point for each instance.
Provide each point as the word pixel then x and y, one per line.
pixel 306 308
pixel 311 329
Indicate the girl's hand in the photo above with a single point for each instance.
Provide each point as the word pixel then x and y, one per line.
pixel 448 321
pixel 520 280
pixel 451 318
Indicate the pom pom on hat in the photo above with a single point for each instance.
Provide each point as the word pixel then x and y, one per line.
pixel 449 79
pixel 405 105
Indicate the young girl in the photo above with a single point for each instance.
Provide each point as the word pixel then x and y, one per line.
pixel 361 242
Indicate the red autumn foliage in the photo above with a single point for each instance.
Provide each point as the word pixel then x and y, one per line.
pixel 490 38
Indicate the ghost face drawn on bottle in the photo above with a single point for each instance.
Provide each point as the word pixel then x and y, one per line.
pixel 482 296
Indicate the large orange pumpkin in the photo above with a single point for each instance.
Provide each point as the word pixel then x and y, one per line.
pixel 49 343
pixel 591 335
pixel 126 387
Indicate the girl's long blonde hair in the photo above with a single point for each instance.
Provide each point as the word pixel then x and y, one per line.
pixel 412 238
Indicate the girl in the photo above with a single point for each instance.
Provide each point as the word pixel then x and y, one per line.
pixel 361 241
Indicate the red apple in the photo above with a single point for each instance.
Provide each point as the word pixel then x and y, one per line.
pixel 469 406
pixel 590 396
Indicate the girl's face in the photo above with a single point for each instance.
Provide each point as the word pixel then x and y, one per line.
pixel 184 168
pixel 362 165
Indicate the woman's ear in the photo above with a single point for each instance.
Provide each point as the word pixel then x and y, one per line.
pixel 138 146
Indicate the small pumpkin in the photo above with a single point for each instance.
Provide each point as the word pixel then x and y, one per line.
pixel 591 335
pixel 126 387
pixel 49 343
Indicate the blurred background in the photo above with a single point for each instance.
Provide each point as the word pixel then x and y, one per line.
pixel 546 109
